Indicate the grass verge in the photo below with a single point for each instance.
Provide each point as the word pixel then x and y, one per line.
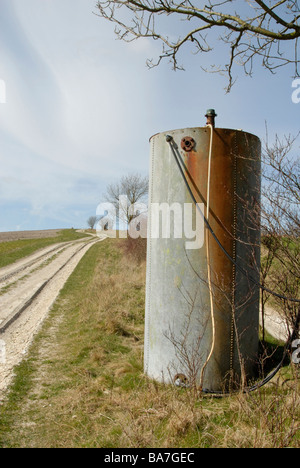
pixel 12 251
pixel 82 383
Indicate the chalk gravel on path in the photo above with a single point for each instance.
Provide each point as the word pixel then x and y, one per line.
pixel 16 339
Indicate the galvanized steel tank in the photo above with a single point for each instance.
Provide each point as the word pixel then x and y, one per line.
pixel 179 322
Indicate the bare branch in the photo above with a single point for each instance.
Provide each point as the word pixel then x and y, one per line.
pixel 256 29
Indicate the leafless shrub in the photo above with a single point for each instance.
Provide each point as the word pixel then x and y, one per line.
pixel 134 249
pixel 281 226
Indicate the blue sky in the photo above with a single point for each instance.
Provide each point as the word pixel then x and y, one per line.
pixel 80 108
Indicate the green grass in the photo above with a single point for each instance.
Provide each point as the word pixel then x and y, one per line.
pixel 12 251
pixel 82 383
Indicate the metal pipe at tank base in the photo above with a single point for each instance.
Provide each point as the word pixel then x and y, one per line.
pixel 183 285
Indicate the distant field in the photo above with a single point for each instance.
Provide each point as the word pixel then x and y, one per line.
pixel 19 235
pixel 15 247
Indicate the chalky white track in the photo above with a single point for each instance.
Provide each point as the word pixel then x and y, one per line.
pixel 28 289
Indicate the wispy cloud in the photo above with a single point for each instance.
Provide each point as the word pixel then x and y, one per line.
pixel 64 121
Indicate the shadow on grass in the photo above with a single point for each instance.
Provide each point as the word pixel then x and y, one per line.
pixel 271 354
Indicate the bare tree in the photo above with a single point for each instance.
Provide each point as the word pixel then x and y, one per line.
pixel 92 221
pixel 268 30
pixel 127 196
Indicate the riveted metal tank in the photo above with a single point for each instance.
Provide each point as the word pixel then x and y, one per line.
pixel 184 342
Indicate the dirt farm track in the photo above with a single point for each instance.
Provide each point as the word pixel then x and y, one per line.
pixel 18 235
pixel 28 289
